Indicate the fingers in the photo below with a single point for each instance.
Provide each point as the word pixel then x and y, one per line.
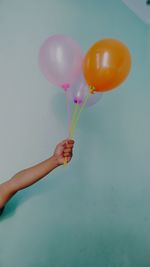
pixel 70 141
pixel 67 142
pixel 65 148
pixel 67 153
pixel 68 146
pixel 68 149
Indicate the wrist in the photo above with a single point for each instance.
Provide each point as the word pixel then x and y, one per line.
pixel 55 161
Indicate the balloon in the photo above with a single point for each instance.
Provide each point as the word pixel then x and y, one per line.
pixel 79 92
pixel 106 64
pixel 60 60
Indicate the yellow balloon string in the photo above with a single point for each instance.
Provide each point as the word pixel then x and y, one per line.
pixel 71 126
pixel 74 119
pixel 68 114
pixel 65 162
pixel 79 114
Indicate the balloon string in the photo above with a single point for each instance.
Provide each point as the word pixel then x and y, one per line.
pixel 73 119
pixel 69 112
pixel 69 119
pixel 79 114
pixel 72 124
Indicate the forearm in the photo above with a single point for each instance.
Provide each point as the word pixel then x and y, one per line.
pixel 26 178
pixel 33 174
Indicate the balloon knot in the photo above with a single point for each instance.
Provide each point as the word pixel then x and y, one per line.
pixel 77 101
pixel 65 86
pixel 92 89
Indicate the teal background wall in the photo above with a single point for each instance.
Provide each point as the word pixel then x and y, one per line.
pixel 95 212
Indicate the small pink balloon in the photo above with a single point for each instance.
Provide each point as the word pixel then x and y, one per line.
pixel 80 90
pixel 60 60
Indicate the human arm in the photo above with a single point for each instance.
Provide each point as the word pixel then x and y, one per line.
pixel 29 176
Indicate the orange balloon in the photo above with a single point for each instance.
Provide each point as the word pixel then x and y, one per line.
pixel 106 65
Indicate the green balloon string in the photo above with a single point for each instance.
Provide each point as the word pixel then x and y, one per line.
pixel 71 126
pixel 73 119
pixel 79 114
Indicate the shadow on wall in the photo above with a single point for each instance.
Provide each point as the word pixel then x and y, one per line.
pixel 41 187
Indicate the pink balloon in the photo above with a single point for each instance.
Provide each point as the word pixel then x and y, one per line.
pixel 60 60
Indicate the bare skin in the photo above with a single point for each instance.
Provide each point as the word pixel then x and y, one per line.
pixel 27 177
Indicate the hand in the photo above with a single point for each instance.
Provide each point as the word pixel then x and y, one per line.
pixel 63 151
